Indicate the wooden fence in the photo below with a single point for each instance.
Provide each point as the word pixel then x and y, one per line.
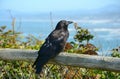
pixel 80 60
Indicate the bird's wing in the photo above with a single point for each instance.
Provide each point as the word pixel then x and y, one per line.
pixel 54 42
pixel 57 36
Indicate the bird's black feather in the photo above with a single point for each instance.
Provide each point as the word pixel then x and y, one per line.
pixel 53 45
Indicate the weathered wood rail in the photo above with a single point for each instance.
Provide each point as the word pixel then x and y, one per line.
pixel 80 60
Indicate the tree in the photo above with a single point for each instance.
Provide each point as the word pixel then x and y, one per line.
pixel 82 34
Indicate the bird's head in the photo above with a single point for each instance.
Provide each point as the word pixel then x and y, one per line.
pixel 63 24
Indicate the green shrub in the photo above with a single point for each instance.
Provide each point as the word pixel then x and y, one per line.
pixel 24 70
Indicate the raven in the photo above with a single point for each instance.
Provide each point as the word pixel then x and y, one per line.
pixel 53 45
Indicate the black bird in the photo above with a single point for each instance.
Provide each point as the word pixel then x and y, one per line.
pixel 53 45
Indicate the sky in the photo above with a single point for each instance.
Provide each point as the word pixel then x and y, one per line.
pixel 60 9
pixel 35 6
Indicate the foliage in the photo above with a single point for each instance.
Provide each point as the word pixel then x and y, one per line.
pixel 82 34
pixel 17 69
pixel 115 54
pixel 8 40
pixel 24 70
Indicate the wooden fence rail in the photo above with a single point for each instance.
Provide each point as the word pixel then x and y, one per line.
pixel 80 60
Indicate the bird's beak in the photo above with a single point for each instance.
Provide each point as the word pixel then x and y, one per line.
pixel 69 22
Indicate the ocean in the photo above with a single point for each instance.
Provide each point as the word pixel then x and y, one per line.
pixel 106 33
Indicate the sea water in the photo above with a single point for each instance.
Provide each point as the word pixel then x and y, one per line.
pixel 106 35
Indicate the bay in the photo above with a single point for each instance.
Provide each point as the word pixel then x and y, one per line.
pixel 106 34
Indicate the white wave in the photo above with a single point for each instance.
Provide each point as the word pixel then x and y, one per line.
pixel 98 21
pixel 110 33
pixel 109 30
pixel 108 37
pixel 106 33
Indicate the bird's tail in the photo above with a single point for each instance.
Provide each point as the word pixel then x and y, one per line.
pixel 35 62
pixel 39 63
